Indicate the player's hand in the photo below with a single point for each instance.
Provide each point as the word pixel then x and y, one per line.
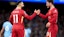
pixel 35 11
pixel 38 11
pixel 48 25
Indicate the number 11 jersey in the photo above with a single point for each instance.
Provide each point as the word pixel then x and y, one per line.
pixel 17 15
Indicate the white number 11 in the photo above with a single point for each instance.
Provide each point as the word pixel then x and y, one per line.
pixel 15 18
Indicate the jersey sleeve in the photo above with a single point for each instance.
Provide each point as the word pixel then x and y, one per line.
pixel 43 16
pixel 4 25
pixel 29 17
pixel 55 17
pixel 11 18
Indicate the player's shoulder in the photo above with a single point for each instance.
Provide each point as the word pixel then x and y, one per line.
pixel 5 23
pixel 55 10
pixel 15 11
pixel 22 10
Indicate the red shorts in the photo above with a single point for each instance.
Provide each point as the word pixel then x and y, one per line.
pixel 52 31
pixel 17 31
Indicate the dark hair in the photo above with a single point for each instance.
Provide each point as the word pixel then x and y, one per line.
pixel 19 2
pixel 51 1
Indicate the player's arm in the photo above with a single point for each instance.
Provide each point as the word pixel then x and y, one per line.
pixel 2 31
pixel 10 19
pixel 29 17
pixel 55 16
pixel 43 16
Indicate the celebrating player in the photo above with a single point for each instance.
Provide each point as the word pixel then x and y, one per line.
pixel 52 16
pixel 16 18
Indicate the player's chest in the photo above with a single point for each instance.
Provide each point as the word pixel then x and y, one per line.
pixel 50 14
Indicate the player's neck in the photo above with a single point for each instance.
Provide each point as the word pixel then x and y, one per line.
pixel 18 7
pixel 52 6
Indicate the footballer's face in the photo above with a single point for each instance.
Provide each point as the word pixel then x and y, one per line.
pixel 48 4
pixel 21 4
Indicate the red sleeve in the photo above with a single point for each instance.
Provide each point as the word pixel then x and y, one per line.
pixel 54 17
pixel 11 18
pixel 29 17
pixel 43 16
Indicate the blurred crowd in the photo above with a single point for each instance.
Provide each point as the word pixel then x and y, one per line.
pixel 36 27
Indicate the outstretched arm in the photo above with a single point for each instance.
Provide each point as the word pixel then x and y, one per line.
pixel 29 17
pixel 43 16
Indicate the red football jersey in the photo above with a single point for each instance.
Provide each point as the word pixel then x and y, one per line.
pixel 17 15
pixel 52 15
pixel 16 18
